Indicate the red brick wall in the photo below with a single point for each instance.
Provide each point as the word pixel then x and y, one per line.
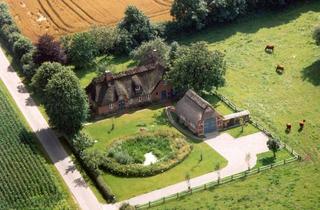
pixel 156 94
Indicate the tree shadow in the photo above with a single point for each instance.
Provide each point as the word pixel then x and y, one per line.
pixel 80 183
pixel 267 160
pixel 22 89
pixel 30 102
pixel 312 73
pixel 70 169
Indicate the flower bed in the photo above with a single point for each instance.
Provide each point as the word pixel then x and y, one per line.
pixel 126 157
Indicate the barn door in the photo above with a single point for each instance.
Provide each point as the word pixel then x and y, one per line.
pixel 210 125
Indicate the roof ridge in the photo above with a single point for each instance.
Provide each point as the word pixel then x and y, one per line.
pixel 192 95
pixel 134 71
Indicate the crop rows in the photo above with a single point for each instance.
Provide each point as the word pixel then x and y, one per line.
pixel 25 180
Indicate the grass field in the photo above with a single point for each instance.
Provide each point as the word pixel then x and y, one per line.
pixel 151 119
pixel 267 158
pixel 273 100
pixel 28 180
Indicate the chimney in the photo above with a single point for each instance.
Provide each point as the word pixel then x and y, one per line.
pixel 108 77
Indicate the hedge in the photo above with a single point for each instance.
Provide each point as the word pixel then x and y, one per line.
pixel 79 143
pixel 138 170
pixel 20 45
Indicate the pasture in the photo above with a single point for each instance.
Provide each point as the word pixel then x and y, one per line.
pixel 28 180
pixel 60 17
pixel 273 100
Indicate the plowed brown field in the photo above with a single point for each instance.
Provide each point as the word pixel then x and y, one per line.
pixel 59 17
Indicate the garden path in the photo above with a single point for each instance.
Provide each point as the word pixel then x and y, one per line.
pixel 233 150
pixel 48 139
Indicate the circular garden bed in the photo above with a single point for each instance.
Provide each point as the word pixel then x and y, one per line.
pixel 146 155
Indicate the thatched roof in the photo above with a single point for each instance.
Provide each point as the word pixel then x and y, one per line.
pixel 192 107
pixel 110 88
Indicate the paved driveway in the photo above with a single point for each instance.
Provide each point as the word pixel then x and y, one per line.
pixel 235 150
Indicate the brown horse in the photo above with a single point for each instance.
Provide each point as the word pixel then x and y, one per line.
pixel 280 69
pixel 269 48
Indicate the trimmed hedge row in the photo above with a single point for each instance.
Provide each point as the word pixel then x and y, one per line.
pixel 79 143
pixel 20 45
pixel 178 143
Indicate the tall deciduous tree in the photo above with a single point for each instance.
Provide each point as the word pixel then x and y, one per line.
pixel 22 46
pixel 154 50
pixel 44 73
pixel 66 102
pixel 47 49
pixel 81 48
pixel 225 10
pixel 273 145
pixel 137 25
pixel 190 14
pixel 197 68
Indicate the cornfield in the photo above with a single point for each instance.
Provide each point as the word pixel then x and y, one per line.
pixel 26 182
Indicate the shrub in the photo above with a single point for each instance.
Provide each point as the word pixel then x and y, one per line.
pixel 12 38
pixel 105 38
pixel 137 25
pixel 190 14
pixel 90 162
pixel 81 48
pixel 22 46
pixel 122 157
pixel 92 159
pixel 28 67
pixel 126 206
pixel 44 73
pixel 154 50
pixel 124 43
pixel 47 49
pixel 81 141
pixel 5 17
pixel 316 34
pixel 6 32
pixel 180 150
pixel 226 10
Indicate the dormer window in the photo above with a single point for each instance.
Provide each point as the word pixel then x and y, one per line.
pixel 138 88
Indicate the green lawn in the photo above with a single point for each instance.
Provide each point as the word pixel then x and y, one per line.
pixel 238 132
pixel 151 119
pixel 273 100
pixel 267 158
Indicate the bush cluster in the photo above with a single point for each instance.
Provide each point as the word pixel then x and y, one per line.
pixel 90 161
pixel 19 44
pixel 191 15
pixel 180 150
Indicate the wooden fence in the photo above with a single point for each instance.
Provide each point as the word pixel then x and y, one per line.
pixel 213 184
